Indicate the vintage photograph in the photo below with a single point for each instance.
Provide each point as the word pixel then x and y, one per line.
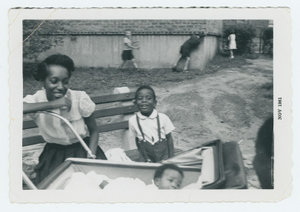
pixel 113 105
pixel 150 91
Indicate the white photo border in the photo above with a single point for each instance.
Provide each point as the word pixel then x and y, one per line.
pixel 282 88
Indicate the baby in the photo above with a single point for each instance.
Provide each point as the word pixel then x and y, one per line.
pixel 168 176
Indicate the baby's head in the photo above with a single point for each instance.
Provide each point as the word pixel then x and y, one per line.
pixel 55 72
pixel 168 176
pixel 145 99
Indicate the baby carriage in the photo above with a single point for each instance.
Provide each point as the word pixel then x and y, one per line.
pixel 220 166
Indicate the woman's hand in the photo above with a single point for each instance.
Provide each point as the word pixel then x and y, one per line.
pixel 63 102
pixel 88 156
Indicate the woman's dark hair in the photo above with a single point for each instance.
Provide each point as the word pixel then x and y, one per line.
pixel 56 59
pixel 145 87
pixel 160 170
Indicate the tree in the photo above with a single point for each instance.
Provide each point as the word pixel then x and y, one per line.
pixel 244 32
pixel 34 42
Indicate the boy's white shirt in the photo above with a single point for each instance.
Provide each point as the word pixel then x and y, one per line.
pixel 149 126
pixel 127 43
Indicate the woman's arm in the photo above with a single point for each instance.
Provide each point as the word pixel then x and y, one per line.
pixel 170 144
pixel 94 134
pixel 42 106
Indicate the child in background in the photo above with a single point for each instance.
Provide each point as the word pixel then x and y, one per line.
pixel 185 50
pixel 168 176
pixel 151 129
pixel 76 106
pixel 127 51
pixel 232 43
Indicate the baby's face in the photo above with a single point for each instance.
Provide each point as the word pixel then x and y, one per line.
pixel 171 179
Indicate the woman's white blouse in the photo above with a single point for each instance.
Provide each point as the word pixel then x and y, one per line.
pixel 52 129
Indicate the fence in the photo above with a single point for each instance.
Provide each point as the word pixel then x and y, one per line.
pixel 156 51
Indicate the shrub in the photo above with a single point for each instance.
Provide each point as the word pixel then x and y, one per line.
pixel 244 35
pixel 33 42
pixel 268 41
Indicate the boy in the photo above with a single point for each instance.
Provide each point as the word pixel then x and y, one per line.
pixel 168 176
pixel 188 46
pixel 127 51
pixel 151 129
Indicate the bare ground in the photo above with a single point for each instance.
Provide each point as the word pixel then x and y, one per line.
pixel 230 103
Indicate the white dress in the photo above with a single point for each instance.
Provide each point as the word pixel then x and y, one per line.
pixel 232 43
pixel 54 130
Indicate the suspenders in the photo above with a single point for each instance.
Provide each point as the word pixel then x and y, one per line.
pixel 140 127
pixel 140 143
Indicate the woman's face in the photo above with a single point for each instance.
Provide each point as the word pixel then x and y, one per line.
pixel 56 82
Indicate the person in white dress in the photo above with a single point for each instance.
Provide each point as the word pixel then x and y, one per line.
pixel 232 43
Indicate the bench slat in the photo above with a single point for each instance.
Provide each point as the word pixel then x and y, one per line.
pixel 113 98
pixel 113 126
pixel 98 114
pixel 102 128
pixel 115 111
pixel 32 140
pixel 29 124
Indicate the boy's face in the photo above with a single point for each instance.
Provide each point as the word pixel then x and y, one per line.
pixel 128 33
pixel 171 179
pixel 145 101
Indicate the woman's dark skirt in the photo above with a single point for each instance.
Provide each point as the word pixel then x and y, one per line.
pixel 55 154
pixel 127 55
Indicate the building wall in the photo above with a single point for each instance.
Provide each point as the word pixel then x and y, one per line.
pixel 99 43
pixel 156 51
pixel 214 27
pixel 117 26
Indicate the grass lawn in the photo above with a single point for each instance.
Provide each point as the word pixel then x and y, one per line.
pixel 99 81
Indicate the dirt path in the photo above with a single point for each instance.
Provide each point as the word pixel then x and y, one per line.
pixel 230 104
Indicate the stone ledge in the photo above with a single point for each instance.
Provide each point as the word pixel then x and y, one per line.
pixel 122 33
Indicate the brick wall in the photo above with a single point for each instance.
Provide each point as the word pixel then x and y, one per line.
pixel 99 43
pixel 137 26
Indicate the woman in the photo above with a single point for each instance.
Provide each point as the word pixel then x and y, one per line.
pixel 76 106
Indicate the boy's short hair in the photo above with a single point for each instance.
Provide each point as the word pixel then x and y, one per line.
pixel 145 87
pixel 160 170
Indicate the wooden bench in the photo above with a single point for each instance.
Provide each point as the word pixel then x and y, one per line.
pixel 100 113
